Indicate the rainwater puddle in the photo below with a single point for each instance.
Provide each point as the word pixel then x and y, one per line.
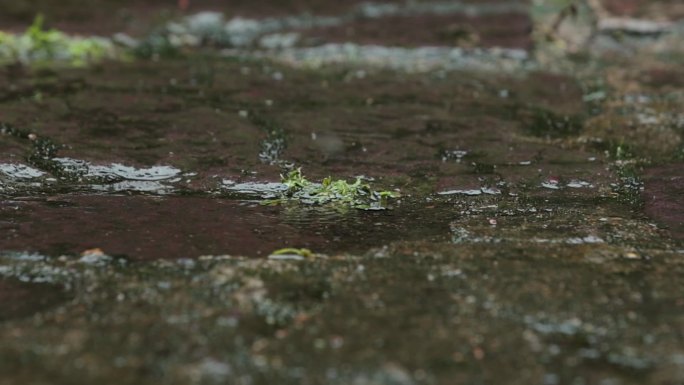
pixel 148 228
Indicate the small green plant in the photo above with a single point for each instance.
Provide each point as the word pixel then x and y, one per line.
pixel 357 195
pixel 43 46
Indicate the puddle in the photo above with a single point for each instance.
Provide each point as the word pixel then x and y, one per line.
pixel 145 227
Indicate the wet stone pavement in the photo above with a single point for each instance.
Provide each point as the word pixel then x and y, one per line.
pixel 538 235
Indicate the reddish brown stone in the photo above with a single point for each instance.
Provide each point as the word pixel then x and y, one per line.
pixel 664 197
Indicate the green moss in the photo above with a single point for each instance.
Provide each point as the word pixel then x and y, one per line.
pixel 357 195
pixel 46 46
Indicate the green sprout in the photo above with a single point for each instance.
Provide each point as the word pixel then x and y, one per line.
pixel 357 195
